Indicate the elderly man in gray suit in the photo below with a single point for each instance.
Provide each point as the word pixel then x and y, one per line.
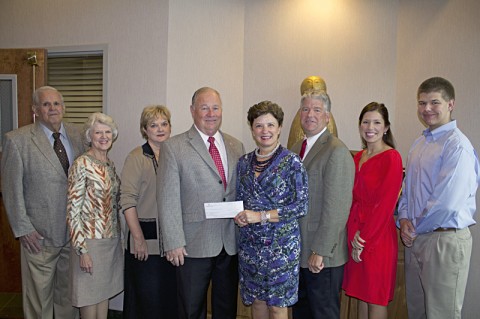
pixel 195 169
pixel 34 185
pixel 330 181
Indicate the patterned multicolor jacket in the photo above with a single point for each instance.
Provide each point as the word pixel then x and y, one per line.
pixel 92 206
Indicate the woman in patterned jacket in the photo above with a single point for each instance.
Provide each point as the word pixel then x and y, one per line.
pixel 272 183
pixel 92 217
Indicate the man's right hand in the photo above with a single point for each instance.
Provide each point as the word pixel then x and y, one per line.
pixel 407 232
pixel 315 263
pixel 31 242
pixel 176 256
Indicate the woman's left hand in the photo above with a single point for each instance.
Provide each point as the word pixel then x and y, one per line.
pixel 141 249
pixel 246 217
pixel 357 247
pixel 86 263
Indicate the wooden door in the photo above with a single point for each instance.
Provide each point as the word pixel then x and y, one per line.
pixel 14 61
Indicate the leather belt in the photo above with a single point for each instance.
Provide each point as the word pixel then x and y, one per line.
pixel 439 229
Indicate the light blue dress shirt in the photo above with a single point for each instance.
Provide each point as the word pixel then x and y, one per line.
pixel 442 176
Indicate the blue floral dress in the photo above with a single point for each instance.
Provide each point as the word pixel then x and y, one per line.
pixel 269 255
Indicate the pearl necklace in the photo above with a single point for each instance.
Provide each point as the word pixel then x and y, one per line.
pixel 261 166
pixel 257 152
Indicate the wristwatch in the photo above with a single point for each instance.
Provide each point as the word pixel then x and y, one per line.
pixel 80 251
pixel 264 217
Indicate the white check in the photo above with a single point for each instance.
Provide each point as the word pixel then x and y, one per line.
pixel 223 209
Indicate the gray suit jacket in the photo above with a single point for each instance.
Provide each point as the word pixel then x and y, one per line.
pixel 34 184
pixel 331 172
pixel 186 179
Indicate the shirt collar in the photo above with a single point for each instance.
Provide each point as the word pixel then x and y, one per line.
pixel 147 150
pixel 440 131
pixel 205 137
pixel 49 132
pixel 312 139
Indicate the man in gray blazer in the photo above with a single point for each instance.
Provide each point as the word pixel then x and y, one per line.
pixel 188 176
pixel 34 186
pixel 330 181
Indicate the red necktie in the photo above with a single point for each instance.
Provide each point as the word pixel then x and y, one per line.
pixel 302 150
pixel 213 150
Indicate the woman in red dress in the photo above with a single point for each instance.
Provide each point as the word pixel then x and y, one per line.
pixel 372 238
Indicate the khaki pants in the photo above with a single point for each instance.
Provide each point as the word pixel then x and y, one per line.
pixel 46 284
pixel 436 273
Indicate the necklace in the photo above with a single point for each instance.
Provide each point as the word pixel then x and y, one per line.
pixel 257 152
pixel 261 166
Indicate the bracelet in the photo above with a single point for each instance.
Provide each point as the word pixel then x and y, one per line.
pixel 264 217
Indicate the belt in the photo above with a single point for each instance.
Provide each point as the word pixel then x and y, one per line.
pixel 439 229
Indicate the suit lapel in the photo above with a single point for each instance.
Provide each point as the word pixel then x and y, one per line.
pixel 41 141
pixel 74 143
pixel 199 146
pixel 316 148
pixel 230 158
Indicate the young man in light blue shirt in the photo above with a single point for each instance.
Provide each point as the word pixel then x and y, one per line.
pixel 437 207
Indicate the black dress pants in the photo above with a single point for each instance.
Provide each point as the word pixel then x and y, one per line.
pixel 193 279
pixel 150 288
pixel 319 294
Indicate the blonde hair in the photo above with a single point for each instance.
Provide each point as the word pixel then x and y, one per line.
pixel 151 113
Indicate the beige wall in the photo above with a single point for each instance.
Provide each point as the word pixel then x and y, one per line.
pixel 205 48
pixel 351 44
pixel 160 51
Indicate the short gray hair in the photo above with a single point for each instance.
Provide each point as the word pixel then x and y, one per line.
pixel 40 90
pixel 318 95
pixel 102 119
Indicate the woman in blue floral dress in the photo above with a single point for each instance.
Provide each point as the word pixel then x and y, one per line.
pixel 272 183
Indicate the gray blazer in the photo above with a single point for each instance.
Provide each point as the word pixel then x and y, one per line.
pixel 186 179
pixel 331 172
pixel 34 184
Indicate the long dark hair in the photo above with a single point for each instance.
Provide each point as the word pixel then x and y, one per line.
pixel 382 109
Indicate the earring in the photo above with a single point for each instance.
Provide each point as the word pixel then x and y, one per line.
pixel 385 133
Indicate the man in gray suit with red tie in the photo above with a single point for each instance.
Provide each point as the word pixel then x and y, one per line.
pixel 195 169
pixel 34 169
